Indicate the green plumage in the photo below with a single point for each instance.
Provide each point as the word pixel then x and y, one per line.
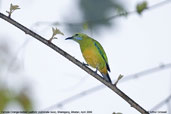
pixel 93 53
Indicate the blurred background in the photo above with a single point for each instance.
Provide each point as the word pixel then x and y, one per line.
pixel 134 33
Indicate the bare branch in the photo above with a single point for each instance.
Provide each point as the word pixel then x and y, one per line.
pixel 76 62
pixel 99 87
pixel 108 18
pixel 165 101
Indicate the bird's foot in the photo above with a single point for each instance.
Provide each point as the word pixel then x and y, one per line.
pixel 96 70
pixel 85 64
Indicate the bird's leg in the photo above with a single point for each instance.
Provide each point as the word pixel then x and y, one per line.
pixel 96 70
pixel 85 64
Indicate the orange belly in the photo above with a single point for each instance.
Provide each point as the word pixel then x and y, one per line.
pixel 91 57
pixel 94 59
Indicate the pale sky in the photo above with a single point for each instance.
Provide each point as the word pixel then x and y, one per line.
pixel 136 44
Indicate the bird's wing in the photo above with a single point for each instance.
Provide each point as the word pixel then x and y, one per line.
pixel 102 53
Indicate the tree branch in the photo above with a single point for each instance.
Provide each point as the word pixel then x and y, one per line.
pixel 127 13
pixel 160 104
pixel 99 87
pixel 76 62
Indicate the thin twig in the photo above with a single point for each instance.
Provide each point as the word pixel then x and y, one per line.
pixel 165 101
pixel 108 18
pixel 119 78
pixel 76 62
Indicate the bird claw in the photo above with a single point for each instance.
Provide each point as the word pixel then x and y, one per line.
pixel 96 70
pixel 85 64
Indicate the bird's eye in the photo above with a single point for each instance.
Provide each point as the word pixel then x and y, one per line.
pixel 76 34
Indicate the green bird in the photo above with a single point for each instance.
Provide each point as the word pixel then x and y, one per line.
pixel 93 54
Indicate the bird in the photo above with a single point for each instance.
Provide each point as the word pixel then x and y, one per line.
pixel 93 53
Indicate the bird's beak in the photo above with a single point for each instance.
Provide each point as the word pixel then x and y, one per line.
pixel 69 38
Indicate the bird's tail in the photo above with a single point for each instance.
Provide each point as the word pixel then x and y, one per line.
pixel 106 77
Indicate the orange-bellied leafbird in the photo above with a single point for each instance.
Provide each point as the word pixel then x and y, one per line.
pixel 93 54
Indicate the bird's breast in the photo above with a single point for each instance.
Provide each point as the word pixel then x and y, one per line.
pixel 92 57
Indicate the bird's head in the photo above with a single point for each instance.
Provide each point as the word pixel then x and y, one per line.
pixel 79 37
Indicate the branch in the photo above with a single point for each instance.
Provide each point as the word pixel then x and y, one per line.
pixel 76 62
pixel 99 87
pixel 165 101
pixel 128 13
pixel 131 12
pixel 108 18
